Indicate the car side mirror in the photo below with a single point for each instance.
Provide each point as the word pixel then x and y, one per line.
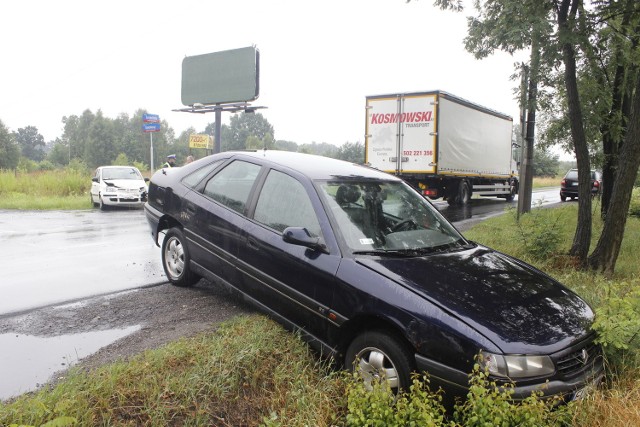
pixel 300 236
pixel 94 179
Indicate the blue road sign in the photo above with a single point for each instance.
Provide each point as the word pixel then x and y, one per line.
pixel 151 127
pixel 151 118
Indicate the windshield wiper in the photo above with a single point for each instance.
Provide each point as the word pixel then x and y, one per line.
pixel 388 252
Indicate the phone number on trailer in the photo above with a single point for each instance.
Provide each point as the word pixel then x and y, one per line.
pixel 417 153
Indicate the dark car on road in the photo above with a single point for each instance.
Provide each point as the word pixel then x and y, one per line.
pixel 368 271
pixel 569 184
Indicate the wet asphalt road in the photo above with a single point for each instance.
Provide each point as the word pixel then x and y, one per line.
pixel 52 257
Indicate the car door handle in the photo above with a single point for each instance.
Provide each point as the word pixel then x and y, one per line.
pixel 251 243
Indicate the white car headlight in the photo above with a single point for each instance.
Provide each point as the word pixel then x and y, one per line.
pixel 517 366
pixel 110 189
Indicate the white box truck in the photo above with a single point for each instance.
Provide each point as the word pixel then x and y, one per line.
pixel 442 145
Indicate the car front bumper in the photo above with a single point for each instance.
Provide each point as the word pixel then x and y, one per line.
pixel 456 382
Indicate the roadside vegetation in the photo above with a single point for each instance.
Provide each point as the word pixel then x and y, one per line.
pixel 249 371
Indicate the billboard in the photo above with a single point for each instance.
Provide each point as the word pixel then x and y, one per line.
pixel 221 77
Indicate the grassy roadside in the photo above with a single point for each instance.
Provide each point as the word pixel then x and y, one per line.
pixel 45 190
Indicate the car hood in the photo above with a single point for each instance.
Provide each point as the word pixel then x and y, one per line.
pixel 514 305
pixel 126 183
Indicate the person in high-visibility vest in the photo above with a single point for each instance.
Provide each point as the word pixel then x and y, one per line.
pixel 171 161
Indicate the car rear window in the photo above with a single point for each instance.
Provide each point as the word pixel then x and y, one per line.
pixel 572 174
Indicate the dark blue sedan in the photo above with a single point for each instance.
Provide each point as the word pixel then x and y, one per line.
pixel 369 272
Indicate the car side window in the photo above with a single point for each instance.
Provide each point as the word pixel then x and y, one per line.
pixel 194 178
pixel 284 203
pixel 232 185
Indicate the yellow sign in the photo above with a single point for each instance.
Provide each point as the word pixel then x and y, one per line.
pixel 200 141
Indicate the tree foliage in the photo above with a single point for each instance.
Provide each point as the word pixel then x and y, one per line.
pixel 545 163
pixel 244 126
pixel 9 150
pixel 589 61
pixel 31 143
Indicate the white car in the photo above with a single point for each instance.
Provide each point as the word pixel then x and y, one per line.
pixel 118 186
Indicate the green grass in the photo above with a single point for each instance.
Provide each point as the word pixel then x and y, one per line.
pixel 246 371
pixel 45 190
pixel 540 182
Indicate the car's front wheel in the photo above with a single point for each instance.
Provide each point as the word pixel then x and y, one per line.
pixel 175 259
pixel 378 355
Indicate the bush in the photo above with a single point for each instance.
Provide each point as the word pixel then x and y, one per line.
pixel 487 404
pixel 540 232
pixel 634 205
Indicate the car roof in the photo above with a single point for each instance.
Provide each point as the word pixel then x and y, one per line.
pixel 316 167
pixel 116 167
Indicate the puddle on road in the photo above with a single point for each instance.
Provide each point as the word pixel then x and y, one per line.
pixel 27 361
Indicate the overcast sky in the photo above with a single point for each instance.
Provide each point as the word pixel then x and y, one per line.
pixel 319 59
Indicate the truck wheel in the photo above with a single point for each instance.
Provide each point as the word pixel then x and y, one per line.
pixel 464 193
pixel 512 194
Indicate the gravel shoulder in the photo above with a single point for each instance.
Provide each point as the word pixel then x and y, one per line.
pixel 164 313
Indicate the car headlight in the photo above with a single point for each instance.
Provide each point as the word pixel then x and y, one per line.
pixel 517 366
pixel 111 189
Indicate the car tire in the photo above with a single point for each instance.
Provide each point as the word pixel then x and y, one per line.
pixel 563 198
pixel 93 202
pixel 378 354
pixel 175 259
pixel 101 203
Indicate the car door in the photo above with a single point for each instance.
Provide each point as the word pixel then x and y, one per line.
pixel 217 217
pixel 95 186
pixel 294 281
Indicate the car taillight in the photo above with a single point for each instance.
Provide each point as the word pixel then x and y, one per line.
pixel 563 183
pixel 430 192
pixel 596 184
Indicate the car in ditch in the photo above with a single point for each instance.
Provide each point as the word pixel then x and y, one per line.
pixel 118 186
pixel 370 273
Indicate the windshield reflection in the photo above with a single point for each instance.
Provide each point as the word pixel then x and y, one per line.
pixel 378 217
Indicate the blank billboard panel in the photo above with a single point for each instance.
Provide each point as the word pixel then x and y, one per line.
pixel 221 77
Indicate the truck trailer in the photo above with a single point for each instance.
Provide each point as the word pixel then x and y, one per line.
pixel 444 146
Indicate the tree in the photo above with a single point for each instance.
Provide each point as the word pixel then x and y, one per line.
pixel 578 40
pixel 99 148
pixel 605 254
pixel 544 163
pixel 59 153
pixel 9 150
pixel 351 152
pixel 31 143
pixel 567 29
pixel 243 126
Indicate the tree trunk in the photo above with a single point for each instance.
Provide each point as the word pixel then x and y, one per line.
pixel 605 254
pixel 620 94
pixel 582 237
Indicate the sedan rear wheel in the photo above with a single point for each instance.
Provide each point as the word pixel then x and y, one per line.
pixel 175 259
pixel 379 356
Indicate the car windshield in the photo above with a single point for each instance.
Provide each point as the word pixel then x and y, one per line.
pixel 121 173
pixel 378 217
